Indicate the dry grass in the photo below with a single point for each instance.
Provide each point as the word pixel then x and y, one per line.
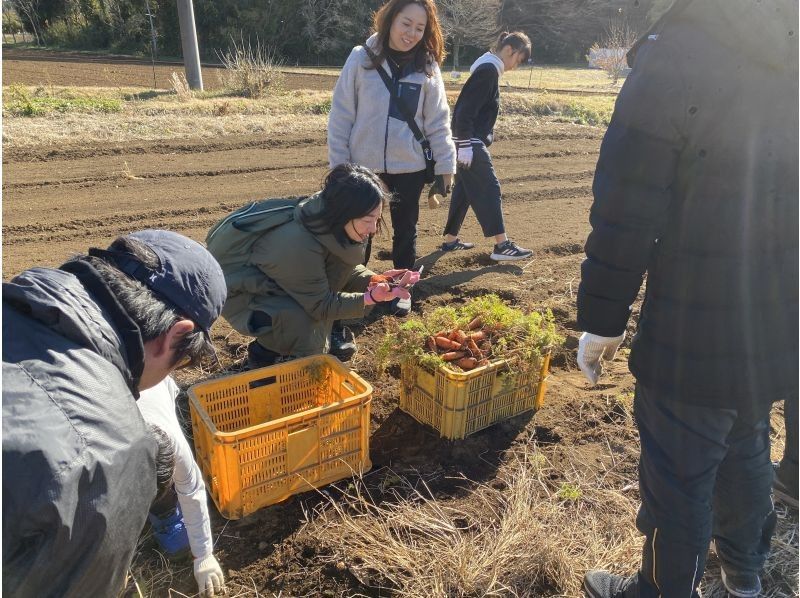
pixel 551 78
pixel 169 115
pixel 528 536
pixel 523 537
pixel 181 87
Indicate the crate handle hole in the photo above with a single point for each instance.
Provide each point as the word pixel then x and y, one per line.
pixel 349 386
pixel 262 382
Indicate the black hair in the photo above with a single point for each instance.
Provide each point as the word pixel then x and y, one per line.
pixel 152 315
pixel 518 41
pixel 165 460
pixel 349 191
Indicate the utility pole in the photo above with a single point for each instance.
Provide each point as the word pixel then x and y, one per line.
pixel 191 53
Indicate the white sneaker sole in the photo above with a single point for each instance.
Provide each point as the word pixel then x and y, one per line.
pixel 499 257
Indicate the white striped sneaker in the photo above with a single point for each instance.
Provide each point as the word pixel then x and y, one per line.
pixel 508 251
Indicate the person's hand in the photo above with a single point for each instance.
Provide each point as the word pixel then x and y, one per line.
pixel 592 348
pixel 381 292
pixel 464 155
pixel 208 574
pixel 440 188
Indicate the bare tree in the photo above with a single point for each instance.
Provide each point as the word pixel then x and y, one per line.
pixel 469 22
pixel 610 53
pixel 29 9
pixel 560 29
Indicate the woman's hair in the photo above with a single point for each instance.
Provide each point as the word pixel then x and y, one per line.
pixel 349 191
pixel 430 48
pixel 518 41
pixel 151 314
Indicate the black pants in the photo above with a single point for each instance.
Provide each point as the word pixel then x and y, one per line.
pixel 404 210
pixel 703 473
pixel 476 187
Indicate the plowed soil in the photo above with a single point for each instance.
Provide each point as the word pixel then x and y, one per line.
pixel 59 202
pixel 40 67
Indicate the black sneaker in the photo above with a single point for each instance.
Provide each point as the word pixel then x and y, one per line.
pixel 343 344
pixel 781 491
pixel 259 356
pixel 508 251
pixel 456 245
pixel 741 585
pixel 602 584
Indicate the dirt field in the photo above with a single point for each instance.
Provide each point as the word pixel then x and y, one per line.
pixel 39 67
pixel 60 201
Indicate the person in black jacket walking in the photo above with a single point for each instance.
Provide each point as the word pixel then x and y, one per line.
pixel 79 343
pixel 474 116
pixel 697 185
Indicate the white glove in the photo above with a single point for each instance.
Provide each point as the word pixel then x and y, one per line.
pixel 208 574
pixel 464 155
pixel 591 348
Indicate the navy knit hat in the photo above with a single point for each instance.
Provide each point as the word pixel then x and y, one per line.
pixel 188 276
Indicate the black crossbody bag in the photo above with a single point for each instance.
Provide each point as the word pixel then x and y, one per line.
pixel 427 153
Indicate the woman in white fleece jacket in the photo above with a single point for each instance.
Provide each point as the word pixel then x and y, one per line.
pixel 366 127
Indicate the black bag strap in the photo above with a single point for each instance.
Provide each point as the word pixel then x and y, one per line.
pixel 407 114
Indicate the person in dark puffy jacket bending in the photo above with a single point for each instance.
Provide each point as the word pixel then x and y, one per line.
pixel 79 344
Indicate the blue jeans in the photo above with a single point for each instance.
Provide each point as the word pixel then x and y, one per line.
pixel 703 472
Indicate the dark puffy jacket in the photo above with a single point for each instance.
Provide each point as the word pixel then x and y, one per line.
pixel 697 185
pixel 78 462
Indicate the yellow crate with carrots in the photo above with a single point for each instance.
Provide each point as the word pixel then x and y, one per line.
pixel 466 368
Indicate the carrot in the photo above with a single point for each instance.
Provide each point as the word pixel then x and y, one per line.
pixel 378 278
pixel 461 336
pixel 446 343
pixel 478 336
pixel 476 323
pixel 453 355
pixel 467 363
pixel 473 349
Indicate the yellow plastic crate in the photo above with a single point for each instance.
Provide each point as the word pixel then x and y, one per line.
pixel 264 435
pixel 458 404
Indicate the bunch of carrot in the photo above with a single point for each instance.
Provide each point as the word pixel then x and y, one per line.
pixel 468 348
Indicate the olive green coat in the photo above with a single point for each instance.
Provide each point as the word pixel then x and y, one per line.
pixel 303 281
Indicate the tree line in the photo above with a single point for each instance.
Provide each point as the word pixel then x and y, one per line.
pixel 318 31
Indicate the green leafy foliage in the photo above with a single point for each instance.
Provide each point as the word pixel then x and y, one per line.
pixel 18 101
pixel 519 336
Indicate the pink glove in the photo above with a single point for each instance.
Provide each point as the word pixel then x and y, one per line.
pixel 383 292
pixel 403 278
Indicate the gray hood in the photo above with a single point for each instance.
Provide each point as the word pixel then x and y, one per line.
pixel 59 300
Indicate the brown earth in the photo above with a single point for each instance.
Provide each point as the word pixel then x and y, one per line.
pixel 59 202
pixel 41 67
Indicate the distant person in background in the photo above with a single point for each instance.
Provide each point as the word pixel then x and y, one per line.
pixel 697 185
pixel 366 124
pixel 79 344
pixel 305 269
pixel 179 515
pixel 474 116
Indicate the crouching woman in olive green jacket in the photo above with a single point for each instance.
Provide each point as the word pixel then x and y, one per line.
pixel 306 272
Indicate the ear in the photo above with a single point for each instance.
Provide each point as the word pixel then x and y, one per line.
pixel 179 329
